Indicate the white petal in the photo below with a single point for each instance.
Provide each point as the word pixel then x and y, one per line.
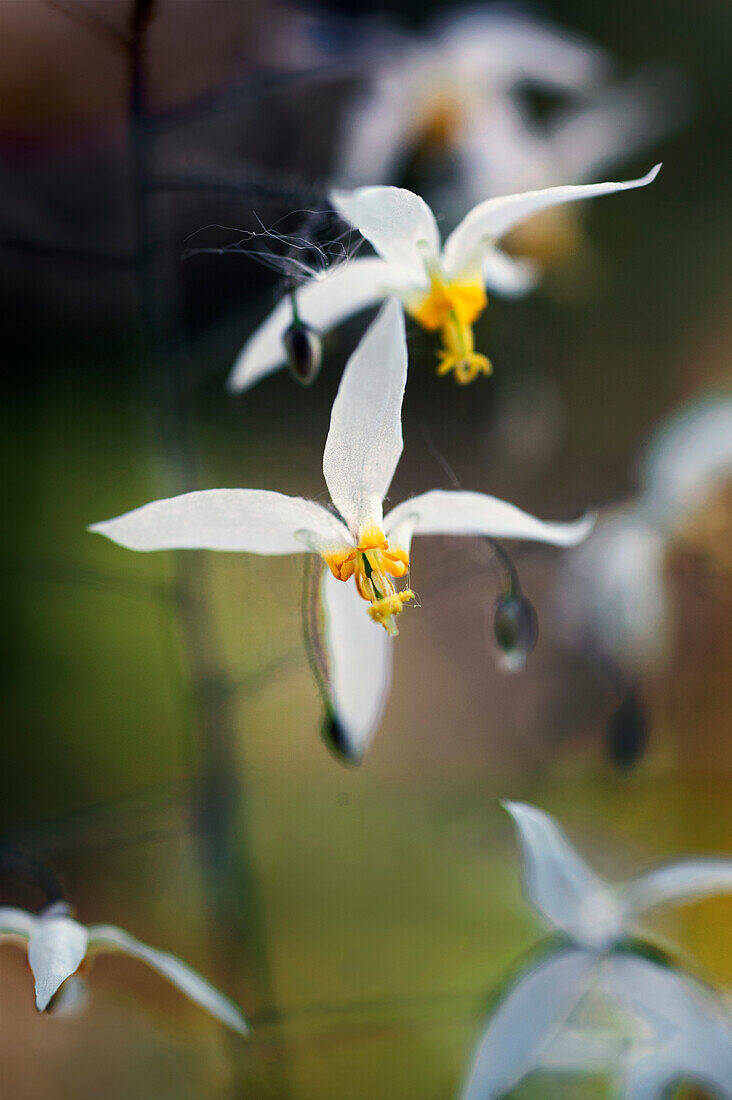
pixel 490 220
pixel 691 454
pixel 323 303
pixel 108 937
pixel 560 884
pixel 686 880
pixel 399 224
pixel 359 654
pixel 15 922
pixel 526 1022
pixel 504 48
pixel 454 512
pixel 56 948
pixel 611 595
pixel 365 437
pixel 506 276
pixel 253 520
pixel 681 1013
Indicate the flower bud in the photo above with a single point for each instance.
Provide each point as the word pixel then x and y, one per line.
pixel 516 629
pixel 304 352
pixel 627 733
pixel 337 740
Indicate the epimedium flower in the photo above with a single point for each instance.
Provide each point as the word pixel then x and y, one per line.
pixel 452 104
pixel 613 597
pixel 60 948
pixel 597 922
pixel 432 92
pixel 361 453
pixel 442 286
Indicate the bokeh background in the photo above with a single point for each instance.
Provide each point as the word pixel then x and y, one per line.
pixel 162 750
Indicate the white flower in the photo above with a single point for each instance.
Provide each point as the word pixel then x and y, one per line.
pixel 443 287
pixel 612 595
pixel 597 919
pixel 361 453
pixel 663 1028
pixel 692 1031
pixel 444 91
pixel 58 946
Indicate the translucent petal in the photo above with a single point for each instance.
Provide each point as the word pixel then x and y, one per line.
pixel 254 520
pixel 359 654
pixel 455 512
pixel 526 1022
pixel 560 884
pixel 56 948
pixel 490 220
pixel 108 937
pixel 399 224
pixel 686 880
pixel 323 303
pixel 365 437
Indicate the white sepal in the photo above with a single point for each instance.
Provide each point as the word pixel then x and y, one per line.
pixel 492 219
pixel 323 303
pixel 254 520
pixel 456 512
pixel 687 880
pixel 359 655
pixel 107 937
pixel 56 948
pixel 365 438
pixel 399 224
pixel 560 885
pixel 527 1021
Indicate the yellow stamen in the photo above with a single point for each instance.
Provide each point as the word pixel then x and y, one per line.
pixel 371 564
pixel 451 308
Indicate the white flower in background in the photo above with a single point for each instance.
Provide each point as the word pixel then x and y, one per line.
pixel 440 90
pixel 443 287
pixel 456 98
pixel 597 919
pixel 59 949
pixel 361 453
pixel 612 596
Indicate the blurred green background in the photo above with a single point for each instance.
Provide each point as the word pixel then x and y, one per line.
pixel 162 749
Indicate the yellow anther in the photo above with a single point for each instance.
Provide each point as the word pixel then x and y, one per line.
pixel 383 611
pixel 451 308
pixel 372 564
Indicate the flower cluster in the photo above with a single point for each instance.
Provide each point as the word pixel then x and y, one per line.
pixel 458 90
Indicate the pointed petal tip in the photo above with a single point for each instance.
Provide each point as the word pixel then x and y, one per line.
pixel 579 530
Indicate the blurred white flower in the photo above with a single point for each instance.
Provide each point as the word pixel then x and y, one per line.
pixel 443 287
pixel 59 947
pixel 361 454
pixel 612 597
pixel 597 919
pixel 447 89
pixel 457 98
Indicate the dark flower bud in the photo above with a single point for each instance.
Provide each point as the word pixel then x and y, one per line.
pixel 337 740
pixel 627 733
pixel 516 629
pixel 304 352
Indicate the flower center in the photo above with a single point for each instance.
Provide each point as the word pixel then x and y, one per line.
pixel 451 308
pixel 372 564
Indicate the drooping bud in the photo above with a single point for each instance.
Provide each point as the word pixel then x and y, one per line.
pixel 337 740
pixel 627 732
pixel 304 352
pixel 516 628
